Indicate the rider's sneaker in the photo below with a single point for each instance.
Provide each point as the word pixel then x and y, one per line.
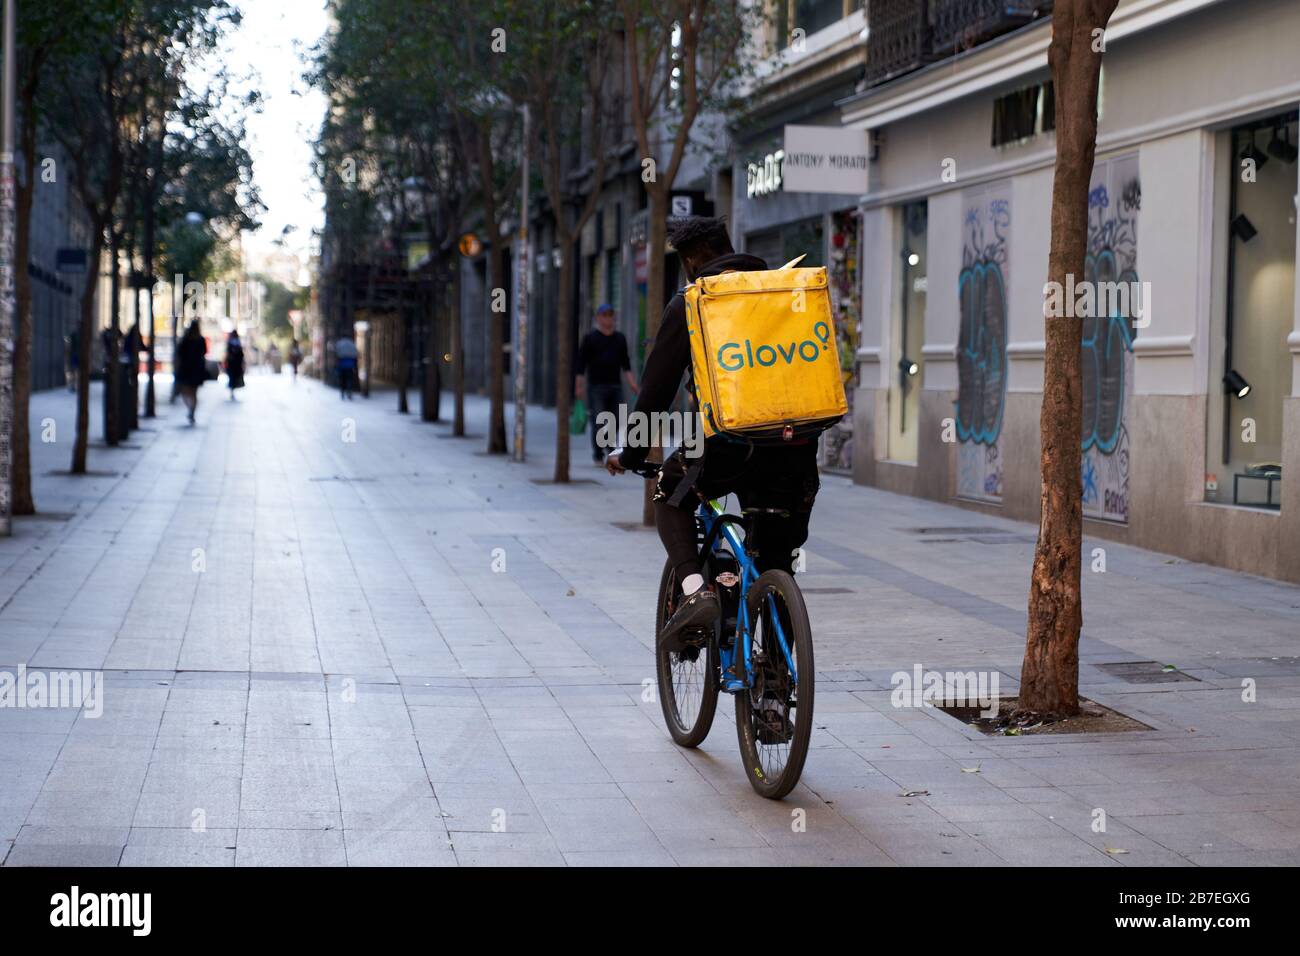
pixel 699 611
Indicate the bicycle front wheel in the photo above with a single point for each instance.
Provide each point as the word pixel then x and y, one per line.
pixel 688 686
pixel 774 716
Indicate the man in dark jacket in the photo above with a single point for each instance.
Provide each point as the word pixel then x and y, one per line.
pixel 602 361
pixel 782 477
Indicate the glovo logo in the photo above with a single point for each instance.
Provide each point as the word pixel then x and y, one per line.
pixel 734 356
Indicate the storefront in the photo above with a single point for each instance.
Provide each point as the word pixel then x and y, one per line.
pixel 1191 395
pixel 778 224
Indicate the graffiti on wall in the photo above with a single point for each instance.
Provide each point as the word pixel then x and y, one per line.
pixel 836 451
pixel 982 343
pixel 1114 199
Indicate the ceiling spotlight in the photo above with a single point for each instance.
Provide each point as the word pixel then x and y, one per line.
pixel 907 366
pixel 1254 153
pixel 1243 228
pixel 1283 149
pixel 1234 383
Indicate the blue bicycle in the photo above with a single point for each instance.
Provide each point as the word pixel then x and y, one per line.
pixel 760 652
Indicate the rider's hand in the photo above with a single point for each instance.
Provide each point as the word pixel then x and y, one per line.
pixel 613 465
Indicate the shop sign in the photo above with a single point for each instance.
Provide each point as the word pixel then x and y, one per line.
pixel 825 159
pixel 763 179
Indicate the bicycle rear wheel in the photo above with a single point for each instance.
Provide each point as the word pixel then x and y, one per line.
pixel 688 686
pixel 774 716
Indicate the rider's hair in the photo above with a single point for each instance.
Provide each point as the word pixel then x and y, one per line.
pixel 699 237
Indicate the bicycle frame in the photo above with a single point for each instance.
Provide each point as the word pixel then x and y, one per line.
pixel 718 527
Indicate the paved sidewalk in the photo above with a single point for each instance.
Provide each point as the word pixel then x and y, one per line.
pixel 309 659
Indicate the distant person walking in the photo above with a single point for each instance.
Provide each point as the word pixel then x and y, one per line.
pixel 191 367
pixel 295 358
pixel 234 364
pixel 345 357
pixel 603 358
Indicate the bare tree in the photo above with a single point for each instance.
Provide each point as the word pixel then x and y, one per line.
pixel 680 56
pixel 1049 680
pixel 558 89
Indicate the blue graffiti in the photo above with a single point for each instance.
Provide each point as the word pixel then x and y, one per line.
pixel 1106 339
pixel 1089 481
pixel 981 352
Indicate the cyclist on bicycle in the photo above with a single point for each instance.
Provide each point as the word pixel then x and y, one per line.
pixel 779 479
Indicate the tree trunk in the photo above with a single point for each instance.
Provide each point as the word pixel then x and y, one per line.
pixel 150 405
pixel 457 356
pixel 430 407
pixel 1049 681
pixel 563 360
pixel 656 240
pixel 22 501
pixel 404 374
pixel 112 408
pixel 84 351
pixel 496 349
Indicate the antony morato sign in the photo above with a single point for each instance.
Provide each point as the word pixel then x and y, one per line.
pixel 825 159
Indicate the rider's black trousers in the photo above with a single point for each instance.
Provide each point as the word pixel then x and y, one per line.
pixel 768 476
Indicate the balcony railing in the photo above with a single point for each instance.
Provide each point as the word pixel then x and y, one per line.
pixel 905 35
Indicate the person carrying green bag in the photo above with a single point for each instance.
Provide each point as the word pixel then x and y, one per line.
pixel 578 417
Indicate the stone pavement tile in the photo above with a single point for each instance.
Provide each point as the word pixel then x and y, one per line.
pixel 398 848
pixel 711 834
pixel 1240 858
pixel 599 824
pixel 474 814
pixel 212 805
pixel 177 856
pixel 96 775
pixel 63 855
pixel 638 856
pixel 290 819
pixel 286 796
pixel 1049 851
pixel 290 848
pixel 647 765
pixel 178 838
pixel 83 808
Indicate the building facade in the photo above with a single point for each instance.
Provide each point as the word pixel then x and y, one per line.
pixel 1191 384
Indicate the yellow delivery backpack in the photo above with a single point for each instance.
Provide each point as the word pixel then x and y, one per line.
pixel 763 353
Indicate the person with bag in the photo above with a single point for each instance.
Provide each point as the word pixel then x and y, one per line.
pixel 758 344
pixel 234 363
pixel 602 361
pixel 191 367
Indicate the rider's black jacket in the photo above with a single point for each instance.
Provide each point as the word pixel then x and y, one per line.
pixel 670 356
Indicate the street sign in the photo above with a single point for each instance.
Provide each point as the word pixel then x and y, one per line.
pixel 469 245
pixel 682 205
pixel 825 159
pixel 70 260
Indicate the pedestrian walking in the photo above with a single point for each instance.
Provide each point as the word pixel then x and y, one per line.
pixel 234 364
pixel 603 365
pixel 345 357
pixel 74 358
pixel 295 358
pixel 191 367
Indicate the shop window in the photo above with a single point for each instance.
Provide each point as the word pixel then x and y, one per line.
pixel 908 332
pixel 1251 376
pixel 1022 114
pixel 807 16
